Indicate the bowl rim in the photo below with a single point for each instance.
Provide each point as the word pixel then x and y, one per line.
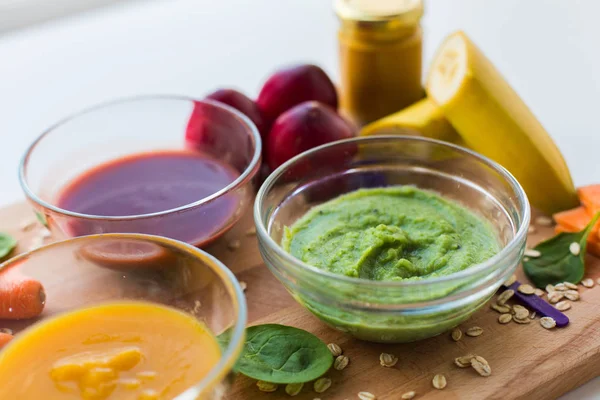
pixel 234 348
pixel 510 247
pixel 249 172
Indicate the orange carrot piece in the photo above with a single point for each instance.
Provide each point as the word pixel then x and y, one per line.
pixel 561 228
pixel 576 219
pixel 21 297
pixel 4 339
pixel 590 197
pixel 593 247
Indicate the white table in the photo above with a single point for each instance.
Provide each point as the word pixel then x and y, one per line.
pixel 548 50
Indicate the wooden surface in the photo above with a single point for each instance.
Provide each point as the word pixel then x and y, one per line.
pixel 528 362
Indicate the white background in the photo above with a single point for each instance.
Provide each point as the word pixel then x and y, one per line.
pixel 548 49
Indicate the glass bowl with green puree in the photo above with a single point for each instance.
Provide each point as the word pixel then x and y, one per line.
pixel 391 238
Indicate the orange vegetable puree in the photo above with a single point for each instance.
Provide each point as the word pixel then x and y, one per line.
pixel 126 350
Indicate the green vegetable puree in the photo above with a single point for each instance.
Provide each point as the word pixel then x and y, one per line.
pixel 390 234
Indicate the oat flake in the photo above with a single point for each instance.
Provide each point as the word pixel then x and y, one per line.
pixel 293 388
pixel 588 283
pixel 520 312
pixel 334 349
pixel 544 221
pixel 439 381
pixel 526 289
pixel 322 384
pixel 387 360
pixel 504 296
pixel 504 318
pixel 266 386
pixel 532 253
pixel 555 297
pixel 340 362
pixel 480 365
pixel 572 295
pixel 502 309
pixel 575 248
pixel 547 322
pixel 366 396
pixel 532 315
pixel 562 305
pixel 474 331
pixel 511 280
pixel 525 320
pixel 234 245
pixel 570 285
pixel 456 334
pixel 28 224
pixel 464 361
pixel 561 287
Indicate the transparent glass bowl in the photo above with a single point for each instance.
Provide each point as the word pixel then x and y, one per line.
pixel 139 125
pixel 98 269
pixel 382 311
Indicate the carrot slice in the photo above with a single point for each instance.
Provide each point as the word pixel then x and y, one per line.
pixel 590 197
pixel 576 219
pixel 594 248
pixel 21 297
pixel 4 339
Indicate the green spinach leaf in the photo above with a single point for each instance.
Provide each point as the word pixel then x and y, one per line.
pixel 283 354
pixel 7 244
pixel 556 263
pixel 41 218
pixel 223 339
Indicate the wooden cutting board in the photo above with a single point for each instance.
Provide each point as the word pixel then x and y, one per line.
pixel 528 362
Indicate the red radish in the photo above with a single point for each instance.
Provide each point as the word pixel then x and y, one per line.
pixel 242 103
pixel 212 130
pixel 197 128
pixel 4 339
pixel 307 125
pixel 291 86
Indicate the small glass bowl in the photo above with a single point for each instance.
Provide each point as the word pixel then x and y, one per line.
pixel 125 127
pixel 392 312
pixel 90 270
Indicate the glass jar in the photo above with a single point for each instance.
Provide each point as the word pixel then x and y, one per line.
pixel 380 56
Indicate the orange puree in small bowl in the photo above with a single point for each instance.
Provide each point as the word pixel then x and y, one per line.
pixel 126 350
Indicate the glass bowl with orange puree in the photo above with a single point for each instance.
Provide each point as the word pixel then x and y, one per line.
pixel 118 316
pixel 160 165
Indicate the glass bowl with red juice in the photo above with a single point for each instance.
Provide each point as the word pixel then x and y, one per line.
pixel 127 167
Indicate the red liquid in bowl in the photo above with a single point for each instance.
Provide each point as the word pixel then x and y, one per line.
pixel 148 183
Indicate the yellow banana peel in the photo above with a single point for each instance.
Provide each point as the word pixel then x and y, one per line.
pixel 493 120
pixel 423 118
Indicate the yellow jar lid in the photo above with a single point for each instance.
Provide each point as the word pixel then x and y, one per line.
pixel 406 11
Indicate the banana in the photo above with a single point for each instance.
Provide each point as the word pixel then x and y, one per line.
pixel 492 120
pixel 422 118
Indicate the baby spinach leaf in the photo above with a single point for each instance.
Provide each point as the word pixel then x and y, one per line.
pixel 283 354
pixel 7 244
pixel 224 338
pixel 556 263
pixel 41 218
